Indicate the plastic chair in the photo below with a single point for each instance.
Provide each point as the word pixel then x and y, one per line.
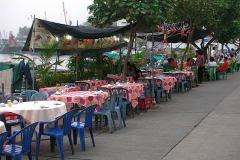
pixel 41 96
pixel 212 71
pixel 68 84
pixel 84 86
pixel 14 151
pixel 3 139
pixel 80 127
pixel 119 104
pixel 158 90
pixel 57 133
pixel 105 110
pixel 51 92
pixel 223 74
pixel 28 94
pixel 194 69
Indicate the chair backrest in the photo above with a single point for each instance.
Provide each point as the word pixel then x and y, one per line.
pixel 27 134
pixel 105 89
pixel 84 86
pixel 89 112
pixel 41 96
pixel 68 84
pixel 118 95
pixel 67 120
pixel 212 69
pixel 50 92
pixel 3 138
pixel 28 94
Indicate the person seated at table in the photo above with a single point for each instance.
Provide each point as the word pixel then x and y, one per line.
pixel 212 62
pixel 173 63
pixel 170 65
pixel 188 63
pixel 133 71
pixel 233 59
pixel 223 67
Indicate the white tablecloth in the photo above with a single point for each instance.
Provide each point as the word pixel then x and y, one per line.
pixel 2 127
pixel 37 111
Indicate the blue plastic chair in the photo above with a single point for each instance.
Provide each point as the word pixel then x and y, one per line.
pixel 28 94
pixel 14 151
pixel 119 103
pixel 3 139
pixel 41 96
pixel 57 133
pixel 158 89
pixel 80 127
pixel 106 111
pixel 11 119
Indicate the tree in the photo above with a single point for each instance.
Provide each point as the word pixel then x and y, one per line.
pixel 139 14
pixel 219 17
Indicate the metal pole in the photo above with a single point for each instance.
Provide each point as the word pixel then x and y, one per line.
pixel 33 49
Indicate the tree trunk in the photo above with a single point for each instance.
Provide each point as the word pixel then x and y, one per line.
pixel 130 46
pixel 187 48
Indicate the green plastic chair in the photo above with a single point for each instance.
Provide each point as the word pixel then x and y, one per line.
pixel 212 72
pixel 194 69
pixel 224 75
pixel 231 68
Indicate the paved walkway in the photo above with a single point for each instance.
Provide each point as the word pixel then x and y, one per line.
pixel 203 124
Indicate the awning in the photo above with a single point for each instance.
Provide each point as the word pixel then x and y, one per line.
pixel 79 38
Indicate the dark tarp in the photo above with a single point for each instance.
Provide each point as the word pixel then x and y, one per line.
pixel 79 32
pixel 175 37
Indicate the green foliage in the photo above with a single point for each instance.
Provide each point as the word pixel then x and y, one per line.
pixel 220 17
pixel 105 12
pixel 45 57
pixel 88 68
pixel 138 59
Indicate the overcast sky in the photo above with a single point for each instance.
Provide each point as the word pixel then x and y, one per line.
pixel 16 13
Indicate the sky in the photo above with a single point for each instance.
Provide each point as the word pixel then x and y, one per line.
pixel 18 13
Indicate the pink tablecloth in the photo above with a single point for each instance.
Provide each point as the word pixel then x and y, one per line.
pixel 119 78
pixel 94 84
pixel 65 89
pixel 135 90
pixel 167 82
pixel 82 98
pixel 181 74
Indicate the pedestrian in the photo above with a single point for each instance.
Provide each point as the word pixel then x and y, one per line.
pixel 200 64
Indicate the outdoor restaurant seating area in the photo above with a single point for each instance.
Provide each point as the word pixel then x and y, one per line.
pixel 70 109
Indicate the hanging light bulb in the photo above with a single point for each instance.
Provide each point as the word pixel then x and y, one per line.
pixel 68 37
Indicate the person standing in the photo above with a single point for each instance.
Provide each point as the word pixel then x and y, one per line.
pixel 200 64
pixel 214 52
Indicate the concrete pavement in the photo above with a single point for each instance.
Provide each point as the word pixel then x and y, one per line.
pixel 198 125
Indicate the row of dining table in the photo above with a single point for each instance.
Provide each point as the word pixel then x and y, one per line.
pixel 59 103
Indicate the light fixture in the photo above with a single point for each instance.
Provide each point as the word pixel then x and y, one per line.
pixel 57 39
pixel 126 39
pixel 68 37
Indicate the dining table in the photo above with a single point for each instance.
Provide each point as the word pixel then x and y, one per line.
pixel 95 83
pixel 61 88
pixel 181 74
pixel 135 90
pixel 81 98
pixel 36 111
pixel 167 82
